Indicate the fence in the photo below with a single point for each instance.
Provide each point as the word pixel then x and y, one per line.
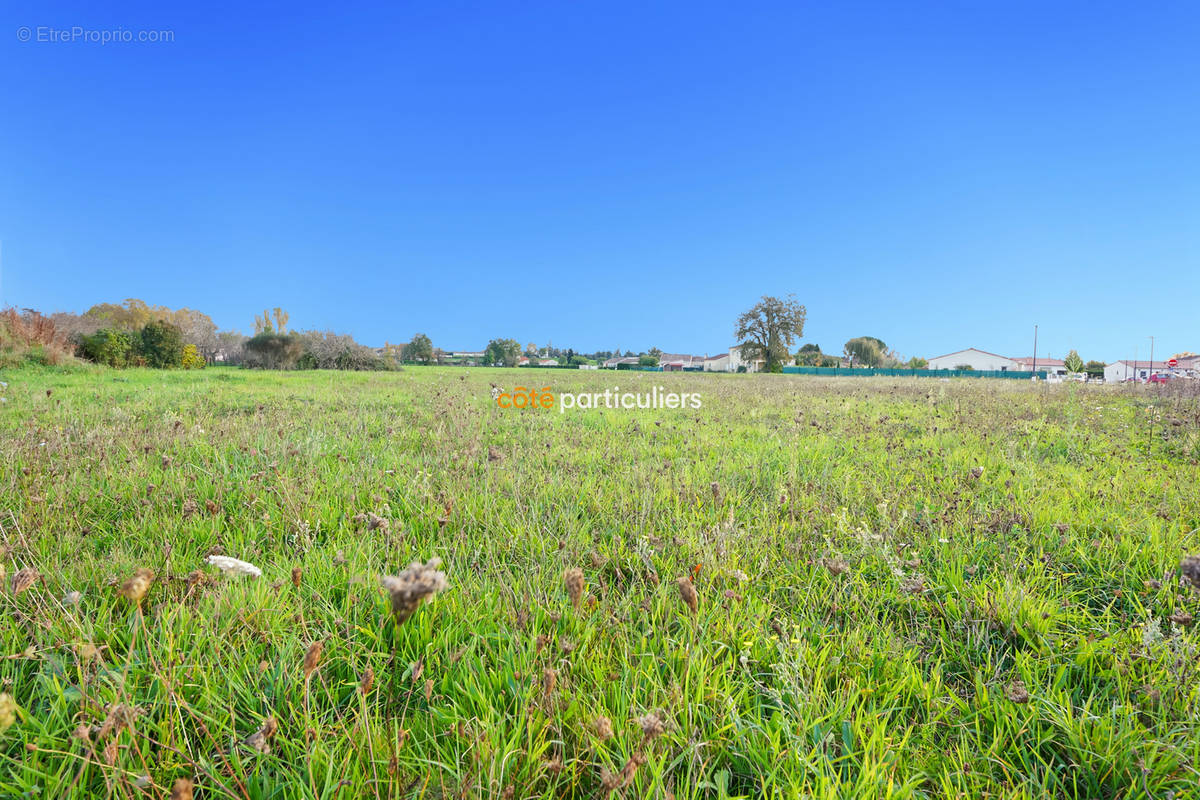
pixel 913 373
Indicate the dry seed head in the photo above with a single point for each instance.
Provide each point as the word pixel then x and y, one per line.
pixel 836 566
pixel 312 658
pixel 1189 571
pixel 260 740
pixel 573 578
pixel 23 579
pixel 413 586
pixel 297 573
pixel 368 680
pixel 1017 693
pixel 549 681
pixel 135 588
pixel 8 711
pixel 652 725
pixel 604 728
pixel 688 592
pixel 182 790
pixel 428 691
pixel 234 566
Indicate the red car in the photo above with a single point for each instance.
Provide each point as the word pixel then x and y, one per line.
pixel 1158 378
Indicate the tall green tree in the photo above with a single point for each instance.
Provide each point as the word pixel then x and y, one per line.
pixel 505 352
pixel 420 349
pixel 768 330
pixel 865 351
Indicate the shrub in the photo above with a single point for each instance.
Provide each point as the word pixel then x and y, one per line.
pixel 161 345
pixel 108 346
pixel 192 358
pixel 30 337
pixel 269 350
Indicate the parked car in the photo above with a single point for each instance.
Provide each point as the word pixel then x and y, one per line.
pixel 1158 377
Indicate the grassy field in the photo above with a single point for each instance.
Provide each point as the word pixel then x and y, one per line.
pixel 897 588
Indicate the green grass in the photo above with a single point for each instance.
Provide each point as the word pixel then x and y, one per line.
pixel 1050 574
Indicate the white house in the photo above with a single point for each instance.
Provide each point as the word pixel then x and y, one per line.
pixel 1052 366
pixel 717 363
pixel 976 359
pixel 1139 370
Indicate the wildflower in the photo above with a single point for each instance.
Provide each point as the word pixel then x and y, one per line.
pixel 688 592
pixel 234 566
pixel 414 585
pixel 376 522
pixel 573 578
pixel 135 588
pixel 260 740
pixel 8 711
pixel 604 728
pixel 182 790
pixel 24 578
pixel 1189 571
pixel 312 658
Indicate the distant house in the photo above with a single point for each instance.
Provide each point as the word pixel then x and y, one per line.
pixel 615 361
pixel 674 362
pixel 975 359
pixel 1134 370
pixel 731 361
pixel 1052 366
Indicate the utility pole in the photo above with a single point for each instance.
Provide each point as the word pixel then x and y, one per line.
pixel 1035 352
pixel 1150 433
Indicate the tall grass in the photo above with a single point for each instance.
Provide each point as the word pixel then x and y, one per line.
pixel 807 588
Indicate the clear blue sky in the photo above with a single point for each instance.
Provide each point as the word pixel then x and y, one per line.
pixel 606 174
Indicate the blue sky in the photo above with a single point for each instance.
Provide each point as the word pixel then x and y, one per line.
pixel 603 174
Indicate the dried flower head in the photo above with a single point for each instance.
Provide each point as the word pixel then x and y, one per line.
pixel 312 658
pixel 687 591
pixel 24 578
pixel 136 586
pixel 182 790
pixel 652 725
pixel 366 682
pixel 190 508
pixel 413 586
pixel 234 566
pixel 1189 571
pixel 260 740
pixel 836 566
pixel 1017 693
pixel 549 681
pixel 72 598
pixel 573 578
pixel 604 728
pixel 297 574
pixel 8 711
